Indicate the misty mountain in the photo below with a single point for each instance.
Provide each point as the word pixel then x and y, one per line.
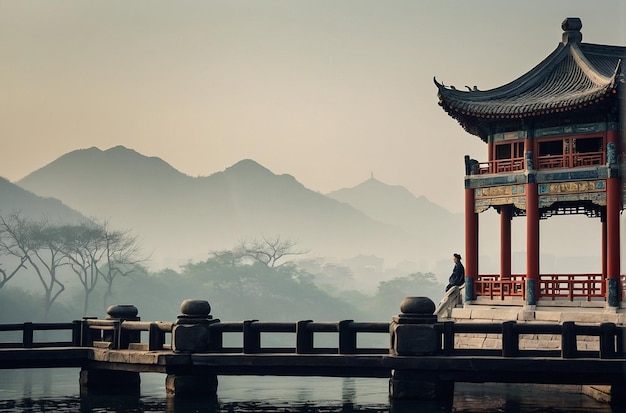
pixel 395 205
pixel 180 218
pixel 16 199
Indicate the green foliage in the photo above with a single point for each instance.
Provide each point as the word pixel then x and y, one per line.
pixel 257 291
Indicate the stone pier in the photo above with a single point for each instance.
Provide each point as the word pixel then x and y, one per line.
pixel 190 334
pixel 413 334
pixel 99 381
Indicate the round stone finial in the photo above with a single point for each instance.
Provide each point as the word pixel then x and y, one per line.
pixel 122 311
pixel 195 308
pixel 417 305
pixel 571 30
pixel 572 24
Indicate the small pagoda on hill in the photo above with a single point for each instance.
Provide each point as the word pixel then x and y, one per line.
pixel 555 140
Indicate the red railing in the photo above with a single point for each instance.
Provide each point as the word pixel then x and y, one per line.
pixel 552 162
pixel 543 162
pixel 553 286
pixel 588 159
pixel 570 160
pixel 501 165
pixel 572 286
pixel 499 287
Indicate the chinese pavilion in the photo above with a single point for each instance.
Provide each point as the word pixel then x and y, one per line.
pixel 554 139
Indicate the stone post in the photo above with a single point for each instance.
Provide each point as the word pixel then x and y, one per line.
pixel 413 333
pixel 190 334
pixel 121 313
pixel 102 381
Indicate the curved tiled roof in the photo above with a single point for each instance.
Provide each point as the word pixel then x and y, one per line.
pixel 573 76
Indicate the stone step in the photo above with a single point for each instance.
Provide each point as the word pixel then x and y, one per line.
pixel 482 313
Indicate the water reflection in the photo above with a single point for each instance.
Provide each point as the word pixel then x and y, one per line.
pixel 58 390
pixel 93 404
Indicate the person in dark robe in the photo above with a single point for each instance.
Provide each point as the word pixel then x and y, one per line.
pixel 458 273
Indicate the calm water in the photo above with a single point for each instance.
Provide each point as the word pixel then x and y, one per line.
pixel 56 390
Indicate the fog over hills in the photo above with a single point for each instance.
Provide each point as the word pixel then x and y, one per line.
pixel 180 218
pixel 393 204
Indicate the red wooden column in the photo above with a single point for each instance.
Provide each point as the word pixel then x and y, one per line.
pixel 505 241
pixel 471 244
pixel 532 241
pixel 613 207
pixel 604 252
pixel 490 145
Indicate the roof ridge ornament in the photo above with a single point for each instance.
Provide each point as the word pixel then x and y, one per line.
pixel 571 30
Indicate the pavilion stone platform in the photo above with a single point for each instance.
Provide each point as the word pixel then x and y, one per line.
pixel 488 311
pixel 484 310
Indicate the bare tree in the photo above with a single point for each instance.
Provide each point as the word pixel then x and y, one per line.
pixel 46 244
pixel 121 257
pixel 9 247
pixel 36 243
pixel 84 246
pixel 90 249
pixel 269 250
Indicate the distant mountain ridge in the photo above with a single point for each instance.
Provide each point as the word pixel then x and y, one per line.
pixel 438 233
pixel 394 204
pixel 14 199
pixel 179 218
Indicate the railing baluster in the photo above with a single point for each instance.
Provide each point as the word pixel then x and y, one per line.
pixel 85 334
pixel 251 337
pixel 27 335
pixel 510 339
pixel 448 337
pixel 116 337
pixel 607 340
pixel 216 337
pixel 304 337
pixel 619 341
pixel 76 328
pixel 156 337
pixel 568 340
pixel 347 337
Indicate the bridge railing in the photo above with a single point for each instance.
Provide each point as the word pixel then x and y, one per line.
pixel 124 334
pixel 28 334
pixel 304 331
pixel 118 335
pixel 415 331
pixel 610 337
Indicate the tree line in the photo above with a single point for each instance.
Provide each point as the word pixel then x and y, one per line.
pixel 256 279
pixel 92 251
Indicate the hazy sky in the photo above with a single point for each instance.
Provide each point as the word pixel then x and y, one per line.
pixel 327 91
